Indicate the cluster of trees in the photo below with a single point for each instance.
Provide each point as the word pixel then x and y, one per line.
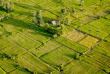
pixel 5 17
pixel 7 5
pixel 1 17
pixel 61 20
pixel 38 21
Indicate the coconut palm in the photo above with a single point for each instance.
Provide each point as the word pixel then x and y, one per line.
pixel 40 18
pixel 90 31
pixel 97 33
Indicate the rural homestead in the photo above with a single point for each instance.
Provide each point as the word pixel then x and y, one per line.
pixel 54 36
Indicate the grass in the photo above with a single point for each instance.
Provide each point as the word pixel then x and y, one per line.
pixel 8 64
pixel 108 39
pixel 89 41
pixel 20 71
pixel 100 58
pixel 28 61
pixel 48 47
pixel 93 62
pixel 105 45
pixel 86 29
pixel 25 41
pixel 2 72
pixel 74 35
pixel 102 50
pixel 14 50
pixel 71 44
pixel 108 16
pixel 60 56
pixel 81 67
pixel 38 35
pixel 5 43
pixel 102 24
pixel 45 54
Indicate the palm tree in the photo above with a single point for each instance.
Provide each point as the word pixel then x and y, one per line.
pixel 34 20
pixel 67 21
pixel 90 31
pixel 7 7
pixel 7 16
pixel 11 6
pixel 97 33
pixel 46 26
pixel 73 10
pixel 39 18
pixel 1 3
pixel 82 1
pixel 34 13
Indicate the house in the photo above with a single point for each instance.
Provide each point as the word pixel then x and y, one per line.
pixel 53 23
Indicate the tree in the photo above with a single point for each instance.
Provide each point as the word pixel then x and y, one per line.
pixel 63 10
pixel 61 68
pixel 58 23
pixel 11 16
pixel 97 33
pixel 34 20
pixel 1 17
pixel 34 13
pixel 67 21
pixel 62 29
pixel 1 3
pixel 46 26
pixel 90 31
pixel 76 16
pixel 39 18
pixel 55 35
pixel 67 9
pixel 76 55
pixel 9 6
pixel 82 1
pixel 7 16
pixel 73 10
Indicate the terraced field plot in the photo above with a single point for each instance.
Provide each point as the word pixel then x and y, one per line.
pixel 89 41
pixel 81 67
pixel 86 29
pixel 60 56
pixel 102 24
pixel 21 71
pixel 14 50
pixel 73 45
pixel 84 48
pixel 74 35
pixel 48 47
pixel 29 61
pixel 2 72
pixel 25 41
pixel 8 65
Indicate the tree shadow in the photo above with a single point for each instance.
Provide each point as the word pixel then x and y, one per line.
pixel 107 11
pixel 2 9
pixel 25 25
pixel 70 55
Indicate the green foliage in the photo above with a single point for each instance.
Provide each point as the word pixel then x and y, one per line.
pixel 55 35
pixel 77 55
pixel 39 17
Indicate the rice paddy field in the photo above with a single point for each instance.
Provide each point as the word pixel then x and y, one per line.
pixel 26 49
